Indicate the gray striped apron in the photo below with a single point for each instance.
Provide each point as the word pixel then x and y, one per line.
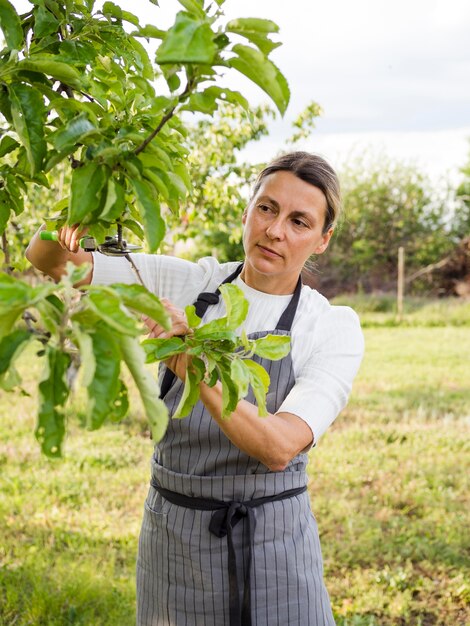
pixel 216 519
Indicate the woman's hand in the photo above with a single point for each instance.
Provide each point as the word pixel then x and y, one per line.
pixel 69 237
pixel 179 323
pixel 179 327
pixel 51 257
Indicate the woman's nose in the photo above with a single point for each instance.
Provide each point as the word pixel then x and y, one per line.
pixel 275 230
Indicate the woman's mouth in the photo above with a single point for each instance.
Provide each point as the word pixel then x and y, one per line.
pixel 268 251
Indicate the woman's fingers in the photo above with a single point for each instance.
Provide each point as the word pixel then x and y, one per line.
pixel 69 237
pixel 179 323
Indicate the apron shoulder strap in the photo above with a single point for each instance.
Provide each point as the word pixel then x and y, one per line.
pixel 287 318
pixel 202 303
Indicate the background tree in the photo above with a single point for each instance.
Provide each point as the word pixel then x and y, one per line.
pixel 387 205
pixel 461 218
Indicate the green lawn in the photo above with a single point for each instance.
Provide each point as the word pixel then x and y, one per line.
pixel 389 488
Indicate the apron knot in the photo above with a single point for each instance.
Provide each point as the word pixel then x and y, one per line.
pixel 225 518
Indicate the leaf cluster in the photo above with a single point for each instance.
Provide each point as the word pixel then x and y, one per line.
pixel 90 334
pixel 217 353
pixel 75 85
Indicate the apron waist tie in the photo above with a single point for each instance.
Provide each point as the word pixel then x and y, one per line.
pixel 227 515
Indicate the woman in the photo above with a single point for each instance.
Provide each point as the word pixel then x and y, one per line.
pixel 228 536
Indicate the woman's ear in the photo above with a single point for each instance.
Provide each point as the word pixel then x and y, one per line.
pixel 324 242
pixel 244 216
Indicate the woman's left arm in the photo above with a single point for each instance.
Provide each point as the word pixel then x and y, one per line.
pixel 274 440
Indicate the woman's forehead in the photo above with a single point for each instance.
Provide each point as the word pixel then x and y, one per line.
pixel 287 191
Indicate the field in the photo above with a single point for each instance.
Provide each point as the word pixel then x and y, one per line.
pixel 388 484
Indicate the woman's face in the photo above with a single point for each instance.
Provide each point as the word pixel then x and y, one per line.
pixel 283 226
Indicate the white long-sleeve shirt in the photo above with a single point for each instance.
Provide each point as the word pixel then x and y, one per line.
pixel 327 343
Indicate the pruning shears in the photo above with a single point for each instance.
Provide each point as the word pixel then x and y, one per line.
pixel 112 246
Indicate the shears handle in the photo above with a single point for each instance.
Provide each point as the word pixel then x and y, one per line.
pixel 53 235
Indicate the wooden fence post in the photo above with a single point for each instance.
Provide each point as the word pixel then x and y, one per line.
pixel 401 282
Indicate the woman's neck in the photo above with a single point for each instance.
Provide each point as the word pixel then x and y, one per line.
pixel 277 284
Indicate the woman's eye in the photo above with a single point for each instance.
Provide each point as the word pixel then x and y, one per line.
pixel 300 223
pixel 264 207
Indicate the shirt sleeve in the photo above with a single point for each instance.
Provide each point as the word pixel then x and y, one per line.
pixel 324 382
pixel 167 277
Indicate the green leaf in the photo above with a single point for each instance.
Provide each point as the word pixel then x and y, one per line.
pixel 193 319
pixel 55 69
pixel 15 297
pixel 108 307
pixel 11 347
pixel 177 184
pixel 189 40
pixel 112 10
pixel 73 133
pixel 7 145
pixel 255 30
pixel 115 201
pixel 150 31
pixel 155 409
pixel 259 380
pixel 193 6
pixel 141 59
pixel 50 315
pixel 5 209
pixel 161 349
pixel 259 69
pixel 87 357
pixel 120 404
pixel 154 225
pixel 44 22
pixel 140 299
pixel 134 227
pixel 75 273
pixel 236 305
pixel 5 104
pixel 213 331
pixel 190 393
pixel 273 347
pixel 29 118
pixel 240 374
pixel 105 384
pixel 87 184
pixel 229 391
pixel 11 25
pixel 130 17
pixel 53 393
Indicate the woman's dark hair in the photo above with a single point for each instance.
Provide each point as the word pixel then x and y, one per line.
pixel 312 169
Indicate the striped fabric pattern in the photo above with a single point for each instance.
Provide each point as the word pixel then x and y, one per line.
pixel 182 573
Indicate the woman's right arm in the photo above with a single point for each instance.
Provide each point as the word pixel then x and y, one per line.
pixel 51 257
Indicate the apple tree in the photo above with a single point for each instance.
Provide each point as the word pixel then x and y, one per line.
pixel 81 98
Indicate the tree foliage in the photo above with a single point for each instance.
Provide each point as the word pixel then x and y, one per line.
pixel 387 205
pixel 461 218
pixel 79 99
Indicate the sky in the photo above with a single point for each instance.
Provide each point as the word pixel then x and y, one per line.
pixel 391 77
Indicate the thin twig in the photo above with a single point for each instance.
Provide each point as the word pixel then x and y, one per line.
pixel 136 269
pixel 162 123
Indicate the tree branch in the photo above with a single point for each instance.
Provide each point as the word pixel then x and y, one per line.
pixel 164 119
pixel 162 123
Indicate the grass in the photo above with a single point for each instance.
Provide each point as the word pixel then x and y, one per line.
pixel 389 487
pixel 381 310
